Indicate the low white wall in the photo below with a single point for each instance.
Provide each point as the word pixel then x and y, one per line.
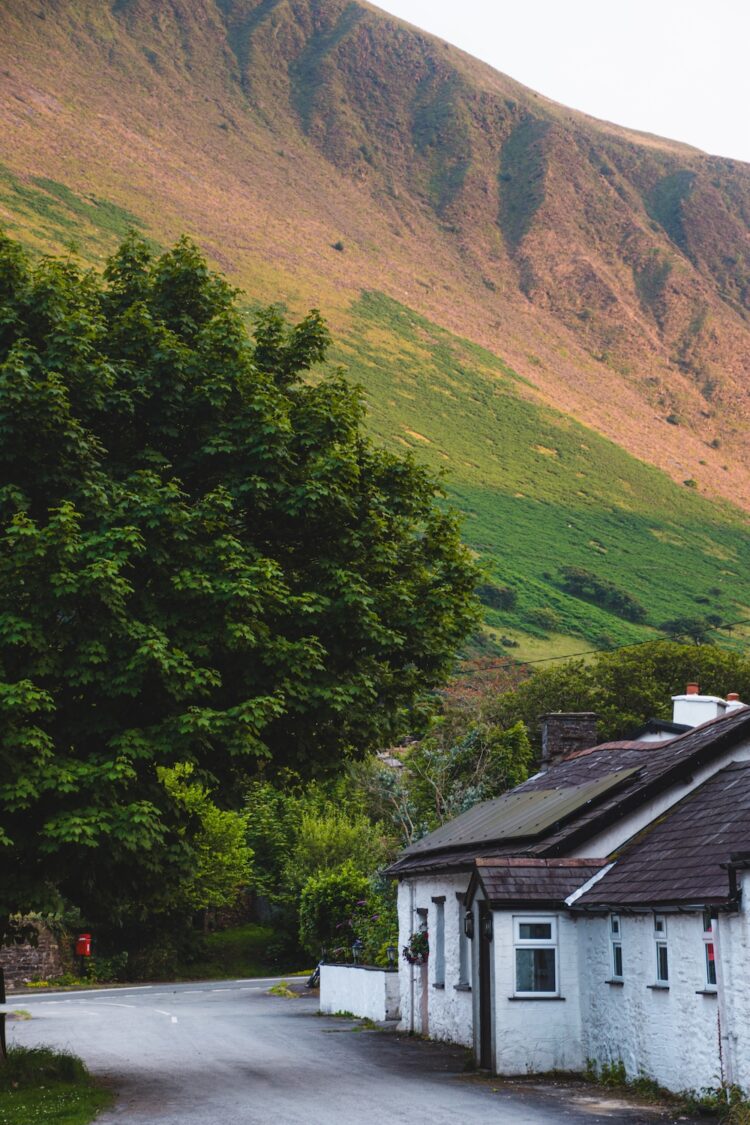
pixel 369 993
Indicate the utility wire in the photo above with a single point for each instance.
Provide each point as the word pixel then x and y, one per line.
pixel 617 648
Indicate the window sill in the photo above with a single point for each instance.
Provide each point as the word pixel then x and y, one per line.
pixel 615 983
pixel 706 992
pixel 462 987
pixel 440 986
pixel 658 987
pixel 516 999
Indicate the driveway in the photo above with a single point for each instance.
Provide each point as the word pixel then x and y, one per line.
pixel 229 1054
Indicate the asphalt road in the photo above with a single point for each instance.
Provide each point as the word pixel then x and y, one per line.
pixel 227 1053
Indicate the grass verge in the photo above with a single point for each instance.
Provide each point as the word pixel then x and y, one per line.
pixel 40 1086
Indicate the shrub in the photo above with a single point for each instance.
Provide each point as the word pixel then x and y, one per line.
pixel 497 597
pixel 328 905
pixel 544 617
pixel 590 587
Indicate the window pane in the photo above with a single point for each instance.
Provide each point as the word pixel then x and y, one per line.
pixel 615 923
pixel 662 962
pixel 660 924
pixel 710 964
pixel 616 959
pixel 535 931
pixel 535 970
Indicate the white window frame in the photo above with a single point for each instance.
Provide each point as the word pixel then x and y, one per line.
pixel 615 943
pixel 535 943
pixel 709 939
pixel 661 942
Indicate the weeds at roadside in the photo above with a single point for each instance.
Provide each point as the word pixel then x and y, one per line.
pixel 283 989
pixel 39 1084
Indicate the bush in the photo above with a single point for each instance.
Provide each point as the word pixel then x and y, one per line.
pixel 544 617
pixel 497 597
pixel 584 584
pixel 328 905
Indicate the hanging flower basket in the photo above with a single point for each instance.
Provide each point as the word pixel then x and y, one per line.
pixel 418 949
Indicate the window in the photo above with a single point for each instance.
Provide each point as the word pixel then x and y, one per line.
pixel 536 956
pixel 662 955
pixel 439 960
pixel 615 938
pixel 708 942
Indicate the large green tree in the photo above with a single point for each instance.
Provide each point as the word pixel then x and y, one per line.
pixel 203 560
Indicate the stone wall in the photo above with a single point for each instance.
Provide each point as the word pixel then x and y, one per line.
pixel 24 963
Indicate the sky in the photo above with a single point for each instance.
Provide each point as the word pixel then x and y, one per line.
pixel 678 68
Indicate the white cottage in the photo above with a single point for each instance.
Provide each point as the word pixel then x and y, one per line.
pixel 596 911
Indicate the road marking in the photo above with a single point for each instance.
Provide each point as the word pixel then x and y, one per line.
pixel 174 1019
pixel 193 991
pixel 219 990
pixel 162 1012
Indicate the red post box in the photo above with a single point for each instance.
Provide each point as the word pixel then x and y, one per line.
pixel 83 945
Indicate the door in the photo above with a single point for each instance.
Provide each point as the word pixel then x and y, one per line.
pixel 485 989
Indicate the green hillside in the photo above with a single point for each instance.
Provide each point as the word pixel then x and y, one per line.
pixel 540 492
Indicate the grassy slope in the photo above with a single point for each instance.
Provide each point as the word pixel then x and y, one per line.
pixel 537 489
pixel 39 1086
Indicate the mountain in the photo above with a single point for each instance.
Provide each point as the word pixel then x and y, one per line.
pixel 550 307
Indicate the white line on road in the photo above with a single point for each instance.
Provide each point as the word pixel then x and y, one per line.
pixel 174 1019
pixel 193 991
pixel 162 1012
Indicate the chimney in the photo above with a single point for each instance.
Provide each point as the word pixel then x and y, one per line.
pixel 734 701
pixel 566 731
pixel 692 708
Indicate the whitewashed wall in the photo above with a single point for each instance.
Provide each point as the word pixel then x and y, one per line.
pixel 442 1013
pixel 534 1035
pixel 369 993
pixel 670 1035
pixel 734 983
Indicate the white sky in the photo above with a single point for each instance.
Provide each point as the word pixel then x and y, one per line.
pixel 679 68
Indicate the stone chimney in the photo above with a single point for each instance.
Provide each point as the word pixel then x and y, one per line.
pixel 692 708
pixel 566 731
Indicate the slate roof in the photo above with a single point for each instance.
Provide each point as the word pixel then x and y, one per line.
pixel 541 882
pixel 682 858
pixel 656 766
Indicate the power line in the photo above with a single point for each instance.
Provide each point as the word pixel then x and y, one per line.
pixel 590 651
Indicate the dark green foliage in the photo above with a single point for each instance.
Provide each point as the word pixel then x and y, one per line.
pixel 545 618
pixel 497 597
pixel 624 688
pixel 202 560
pixel 591 587
pixel 445 775
pixel 696 629
pixel 328 903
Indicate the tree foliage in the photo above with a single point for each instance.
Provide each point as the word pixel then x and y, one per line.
pixel 221 860
pixel 203 560
pixel 624 688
